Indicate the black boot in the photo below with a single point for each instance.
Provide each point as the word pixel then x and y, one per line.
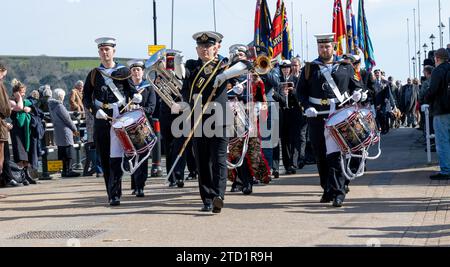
pixel 67 170
pixel 29 179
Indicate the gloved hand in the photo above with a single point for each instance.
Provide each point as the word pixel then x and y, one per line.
pixel 101 115
pixel 424 107
pixel 179 59
pixel 220 79
pixel 238 89
pixel 364 96
pixel 175 109
pixel 311 113
pixel 357 96
pixel 137 98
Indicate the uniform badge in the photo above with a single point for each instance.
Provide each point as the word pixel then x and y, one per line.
pixel 200 82
pixel 204 37
pixel 209 69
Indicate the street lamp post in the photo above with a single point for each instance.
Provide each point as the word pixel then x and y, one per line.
pixel 425 46
pixel 414 66
pixel 432 41
pixel 441 34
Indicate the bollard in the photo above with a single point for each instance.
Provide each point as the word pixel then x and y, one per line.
pixel 156 153
pixel 426 110
pixel 45 174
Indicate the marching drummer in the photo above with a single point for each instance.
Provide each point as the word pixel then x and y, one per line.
pixel 107 91
pixel 148 104
pixel 323 85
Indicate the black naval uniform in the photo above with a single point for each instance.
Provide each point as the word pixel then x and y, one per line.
pixel 148 104
pixel 95 89
pixel 313 84
pixel 211 152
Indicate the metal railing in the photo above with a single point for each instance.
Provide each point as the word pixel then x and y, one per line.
pixel 49 148
pixel 426 109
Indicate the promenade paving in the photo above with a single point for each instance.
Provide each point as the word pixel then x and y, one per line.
pixel 394 204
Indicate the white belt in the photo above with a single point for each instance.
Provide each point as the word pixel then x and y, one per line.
pixel 322 102
pixel 106 106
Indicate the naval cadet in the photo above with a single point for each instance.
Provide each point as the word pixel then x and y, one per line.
pixel 323 85
pixel 107 91
pixel 148 105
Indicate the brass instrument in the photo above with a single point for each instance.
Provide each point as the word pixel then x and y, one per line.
pixel 168 86
pixel 263 65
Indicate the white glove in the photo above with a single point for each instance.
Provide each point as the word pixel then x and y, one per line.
pixel 364 96
pixel 180 70
pixel 179 59
pixel 137 98
pixel 311 113
pixel 356 96
pixel 220 79
pixel 175 109
pixel 238 89
pixel 101 115
pixel 424 107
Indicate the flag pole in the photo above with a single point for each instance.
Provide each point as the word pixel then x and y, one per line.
pixel 292 27
pixel 418 26
pixel 171 34
pixel 307 42
pixel 415 41
pixel 409 48
pixel 301 35
pixel 214 12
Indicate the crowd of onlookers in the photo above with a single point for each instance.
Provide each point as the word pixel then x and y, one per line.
pixel 24 118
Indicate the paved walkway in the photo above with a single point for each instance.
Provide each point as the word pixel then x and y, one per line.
pixel 395 204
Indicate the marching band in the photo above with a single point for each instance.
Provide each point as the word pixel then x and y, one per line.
pixel 213 108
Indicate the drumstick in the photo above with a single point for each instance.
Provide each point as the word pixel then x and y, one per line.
pixel 125 108
pixel 242 83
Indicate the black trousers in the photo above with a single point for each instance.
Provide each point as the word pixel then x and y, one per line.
pixel 190 159
pixel 172 147
pixel 102 139
pixel 6 175
pixel 331 179
pixel 211 156
pixel 115 179
pixel 300 144
pixel 140 176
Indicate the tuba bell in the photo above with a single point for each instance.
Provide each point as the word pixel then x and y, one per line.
pixel 168 87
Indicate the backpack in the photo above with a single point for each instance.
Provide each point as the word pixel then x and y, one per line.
pixel 18 174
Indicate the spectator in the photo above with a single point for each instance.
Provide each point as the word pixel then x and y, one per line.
pixel 439 99
pixel 5 112
pixel 407 105
pixel 24 146
pixel 76 98
pixel 64 131
pixel 427 70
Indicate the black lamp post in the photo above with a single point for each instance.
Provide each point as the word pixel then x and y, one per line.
pixel 425 46
pixel 432 41
pixel 414 66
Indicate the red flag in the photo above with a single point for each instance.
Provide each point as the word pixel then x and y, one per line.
pixel 277 31
pixel 339 27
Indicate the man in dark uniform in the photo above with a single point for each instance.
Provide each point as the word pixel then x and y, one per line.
pixel 107 91
pixel 324 83
pixel 148 104
pixel 204 82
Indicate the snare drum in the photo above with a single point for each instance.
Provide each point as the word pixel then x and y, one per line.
pixel 353 129
pixel 134 132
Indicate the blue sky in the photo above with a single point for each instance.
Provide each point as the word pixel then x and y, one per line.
pixel 69 27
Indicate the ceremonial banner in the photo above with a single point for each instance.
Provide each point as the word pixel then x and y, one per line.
pixel 365 44
pixel 277 31
pixel 352 34
pixel 339 27
pixel 288 50
pixel 263 26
